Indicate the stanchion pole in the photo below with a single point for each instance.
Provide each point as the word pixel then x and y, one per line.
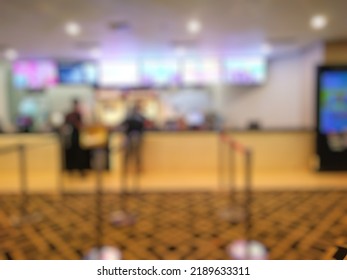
pixel 137 171
pixel 123 217
pixel 99 159
pixel 62 168
pixel 233 212
pixel 232 176
pixel 23 179
pixel 101 252
pixel 124 180
pixel 24 216
pixel 247 249
pixel 248 202
pixel 220 160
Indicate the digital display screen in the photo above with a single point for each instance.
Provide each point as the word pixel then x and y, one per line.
pixel 245 71
pixel 160 72
pixel 333 101
pixel 78 73
pixel 201 71
pixel 34 74
pixel 123 74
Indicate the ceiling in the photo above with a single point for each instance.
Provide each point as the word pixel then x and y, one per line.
pixel 35 28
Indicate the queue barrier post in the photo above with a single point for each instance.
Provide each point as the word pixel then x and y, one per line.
pixel 220 161
pixel 100 251
pixel 62 168
pixel 24 216
pixel 23 178
pixel 233 213
pixel 247 248
pixel 123 217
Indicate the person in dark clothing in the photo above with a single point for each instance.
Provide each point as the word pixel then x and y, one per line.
pixel 74 154
pixel 133 127
pixel 25 123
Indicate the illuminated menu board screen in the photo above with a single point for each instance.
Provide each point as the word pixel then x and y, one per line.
pixel 201 71
pixel 160 72
pixel 245 71
pixel 122 74
pixel 34 74
pixel 78 73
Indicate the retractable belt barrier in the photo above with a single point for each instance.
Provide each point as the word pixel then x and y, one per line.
pixel 123 216
pixel 120 218
pixel 240 249
pixel 101 251
pixel 24 216
pixel 235 213
pixel 248 248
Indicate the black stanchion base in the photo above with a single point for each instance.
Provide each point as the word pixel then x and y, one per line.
pixel 122 219
pixel 233 214
pixel 247 250
pixel 26 219
pixel 104 253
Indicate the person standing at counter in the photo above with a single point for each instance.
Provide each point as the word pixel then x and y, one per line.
pixel 74 154
pixel 133 127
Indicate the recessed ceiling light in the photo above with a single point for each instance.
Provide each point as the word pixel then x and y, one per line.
pixel 194 26
pixel 95 53
pixel 72 28
pixel 319 22
pixel 11 54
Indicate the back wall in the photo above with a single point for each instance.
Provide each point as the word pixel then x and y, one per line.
pixel 287 100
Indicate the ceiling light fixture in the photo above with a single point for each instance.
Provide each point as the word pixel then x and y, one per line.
pixel 72 28
pixel 318 22
pixel 194 26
